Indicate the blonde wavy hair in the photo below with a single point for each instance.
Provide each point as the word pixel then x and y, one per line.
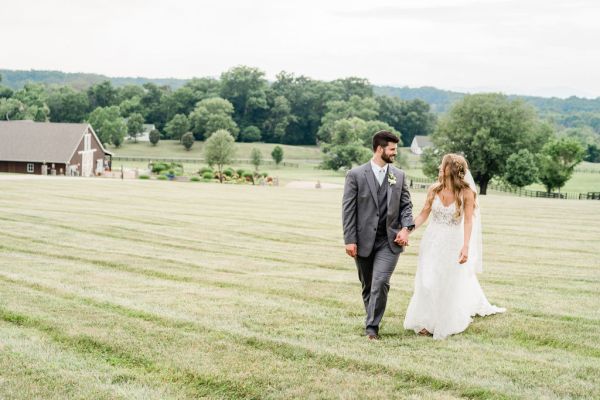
pixel 454 167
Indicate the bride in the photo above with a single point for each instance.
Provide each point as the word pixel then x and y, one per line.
pixel 447 293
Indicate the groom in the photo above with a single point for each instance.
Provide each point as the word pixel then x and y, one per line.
pixel 377 218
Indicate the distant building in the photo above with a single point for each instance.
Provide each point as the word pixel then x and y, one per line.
pixel 420 143
pixel 144 135
pixel 29 147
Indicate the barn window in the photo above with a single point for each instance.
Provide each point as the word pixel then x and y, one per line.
pixel 30 168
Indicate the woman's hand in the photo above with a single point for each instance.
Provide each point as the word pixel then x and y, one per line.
pixel 464 255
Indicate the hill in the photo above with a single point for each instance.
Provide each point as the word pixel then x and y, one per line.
pixel 16 79
pixel 441 100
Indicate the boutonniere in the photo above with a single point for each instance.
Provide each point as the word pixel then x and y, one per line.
pixel 391 179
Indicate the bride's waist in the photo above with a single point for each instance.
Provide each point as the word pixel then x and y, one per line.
pixel 448 223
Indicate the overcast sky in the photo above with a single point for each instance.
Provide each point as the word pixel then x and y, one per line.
pixel 539 47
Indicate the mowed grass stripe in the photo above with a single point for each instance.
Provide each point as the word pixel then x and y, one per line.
pixel 119 357
pixel 198 246
pixel 488 332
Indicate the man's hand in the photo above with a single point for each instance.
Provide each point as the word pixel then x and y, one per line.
pixel 402 237
pixel 351 250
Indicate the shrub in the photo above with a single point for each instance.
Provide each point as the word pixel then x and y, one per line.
pixel 240 172
pixel 154 136
pixel 187 140
pixel 195 179
pixel 205 169
pixel 161 178
pixel 144 177
pixel 158 167
pixel 250 134
pixel 265 174
pixel 208 175
pixel 228 172
pixel 171 168
pixel 277 154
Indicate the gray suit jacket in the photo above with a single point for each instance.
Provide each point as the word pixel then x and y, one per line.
pixel 360 212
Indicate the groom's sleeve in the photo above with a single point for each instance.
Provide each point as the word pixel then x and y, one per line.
pixel 406 217
pixel 349 209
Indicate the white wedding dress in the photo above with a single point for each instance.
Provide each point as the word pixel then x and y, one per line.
pixel 447 294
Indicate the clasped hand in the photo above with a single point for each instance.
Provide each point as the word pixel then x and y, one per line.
pixel 402 237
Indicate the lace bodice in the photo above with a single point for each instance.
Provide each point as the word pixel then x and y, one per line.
pixel 443 215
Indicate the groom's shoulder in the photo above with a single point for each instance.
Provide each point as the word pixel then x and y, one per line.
pixel 397 170
pixel 354 171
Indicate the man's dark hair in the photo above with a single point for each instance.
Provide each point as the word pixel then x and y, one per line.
pixel 382 138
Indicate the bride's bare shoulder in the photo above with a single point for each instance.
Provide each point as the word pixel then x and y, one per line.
pixel 468 194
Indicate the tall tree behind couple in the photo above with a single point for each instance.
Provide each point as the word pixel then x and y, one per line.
pixel 377 221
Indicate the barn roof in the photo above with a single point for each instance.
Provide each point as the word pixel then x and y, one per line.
pixel 40 141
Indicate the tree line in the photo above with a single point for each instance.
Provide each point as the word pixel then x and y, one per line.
pixel 290 110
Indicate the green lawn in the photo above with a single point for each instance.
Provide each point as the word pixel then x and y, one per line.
pixel 173 149
pixel 152 290
pixel 586 178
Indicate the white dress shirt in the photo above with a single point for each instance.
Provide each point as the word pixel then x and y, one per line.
pixel 379 172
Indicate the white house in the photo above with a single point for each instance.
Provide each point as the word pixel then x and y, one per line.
pixel 419 144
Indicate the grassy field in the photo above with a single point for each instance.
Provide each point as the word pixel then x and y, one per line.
pixel 173 149
pixel 586 178
pixel 192 290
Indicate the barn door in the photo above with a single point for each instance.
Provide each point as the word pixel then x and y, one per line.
pixel 87 156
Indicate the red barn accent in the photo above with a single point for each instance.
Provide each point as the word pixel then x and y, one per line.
pixel 50 147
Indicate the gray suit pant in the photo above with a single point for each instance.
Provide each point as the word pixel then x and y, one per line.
pixel 374 273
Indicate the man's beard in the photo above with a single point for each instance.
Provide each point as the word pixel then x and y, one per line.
pixel 388 159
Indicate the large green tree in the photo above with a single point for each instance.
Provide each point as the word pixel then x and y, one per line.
pixel 487 129
pixel 521 169
pixel 353 86
pixel 68 105
pixel 411 117
pixel 347 144
pixel 219 150
pixel 135 125
pixel 364 108
pixel 210 115
pixel 246 88
pixel 131 106
pixel 108 124
pixel 307 99
pixel 177 126
pixel 12 109
pixel 278 119
pixel 557 162
pixel 155 105
pixel 5 92
pixel 102 94
pixel 34 97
